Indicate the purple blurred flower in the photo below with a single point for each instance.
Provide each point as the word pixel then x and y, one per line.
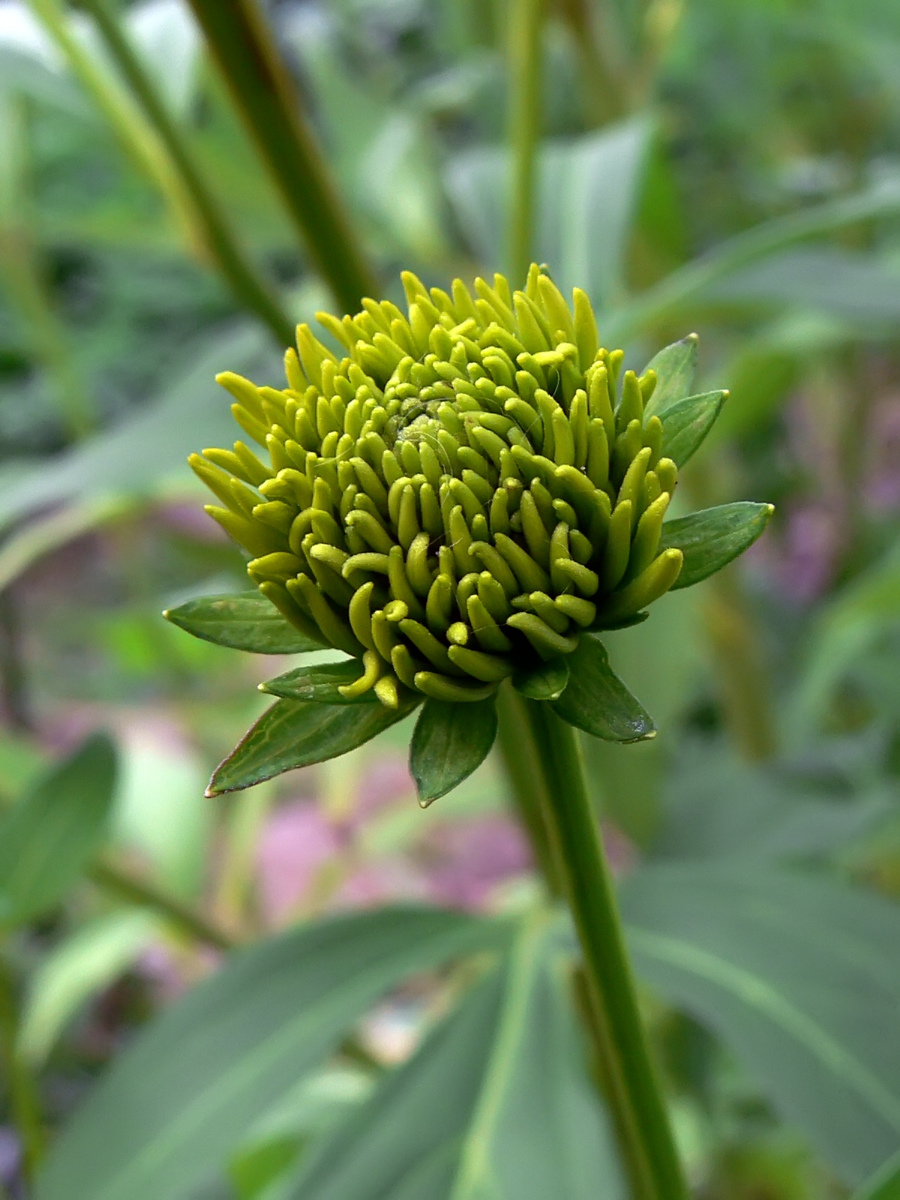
pixel 466 860
pixel 10 1155
pixel 882 472
pixel 296 842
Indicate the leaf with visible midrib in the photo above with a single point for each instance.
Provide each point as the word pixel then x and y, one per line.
pixel 687 423
pixel 449 742
pixel 800 977
pixel 178 1101
pixel 298 733
pixel 243 621
pixel 713 537
pixel 597 701
pixel 674 366
pixel 319 683
pixel 495 1103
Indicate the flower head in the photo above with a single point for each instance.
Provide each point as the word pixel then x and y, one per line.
pixel 473 485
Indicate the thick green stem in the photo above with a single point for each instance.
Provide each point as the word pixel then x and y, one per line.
pixel 610 998
pixel 24 1103
pixel 248 285
pixel 526 27
pixel 141 891
pixel 263 91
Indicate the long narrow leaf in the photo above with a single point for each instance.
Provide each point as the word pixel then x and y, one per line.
pixel 246 281
pixel 800 978
pixel 495 1104
pixel 181 1098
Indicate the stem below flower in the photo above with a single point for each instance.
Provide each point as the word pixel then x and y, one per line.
pixel 610 1000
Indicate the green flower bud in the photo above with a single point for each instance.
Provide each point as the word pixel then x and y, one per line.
pixel 472 486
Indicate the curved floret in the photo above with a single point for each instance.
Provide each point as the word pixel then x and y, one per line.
pixel 470 487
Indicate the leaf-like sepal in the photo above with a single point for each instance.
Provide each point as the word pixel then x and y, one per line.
pixel 711 538
pixel 449 742
pixel 546 681
pixel 296 733
pixel 597 701
pixel 687 423
pixel 674 366
pixel 319 683
pixel 244 621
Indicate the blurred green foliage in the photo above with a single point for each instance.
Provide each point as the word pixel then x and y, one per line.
pixel 729 166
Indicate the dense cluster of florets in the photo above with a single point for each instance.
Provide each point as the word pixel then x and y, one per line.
pixel 458 497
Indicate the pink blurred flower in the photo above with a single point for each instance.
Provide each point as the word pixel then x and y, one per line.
pixel 465 861
pixel 297 841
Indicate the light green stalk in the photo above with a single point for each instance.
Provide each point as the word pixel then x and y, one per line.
pixel 141 891
pixel 22 277
pixel 525 77
pixel 172 160
pixel 21 1090
pixel 263 93
pixel 131 127
pixel 623 1055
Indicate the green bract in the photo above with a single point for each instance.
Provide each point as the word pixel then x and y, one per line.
pixel 464 495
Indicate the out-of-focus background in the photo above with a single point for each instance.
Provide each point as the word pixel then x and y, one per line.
pixel 725 166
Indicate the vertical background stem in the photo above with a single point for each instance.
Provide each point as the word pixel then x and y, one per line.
pixel 247 283
pixel 525 78
pixel 24 1103
pixel 609 994
pixel 265 96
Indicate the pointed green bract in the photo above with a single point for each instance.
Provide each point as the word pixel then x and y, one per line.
pixel 674 366
pixel 449 742
pixel 295 733
pixel 319 683
pixel 713 537
pixel 598 702
pixel 544 682
pixel 244 621
pixel 687 423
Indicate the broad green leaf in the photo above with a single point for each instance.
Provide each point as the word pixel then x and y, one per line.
pixel 76 970
pixel 51 835
pixel 860 287
pixel 588 189
pixel 884 1185
pixel 721 807
pixel 800 977
pixel 687 422
pixel 674 366
pixel 449 742
pixel 495 1104
pixel 597 701
pixel 691 281
pixel 546 681
pixel 712 537
pixel 181 1098
pixel 244 621
pixel 147 450
pixel 319 682
pixel 849 624
pixel 296 733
